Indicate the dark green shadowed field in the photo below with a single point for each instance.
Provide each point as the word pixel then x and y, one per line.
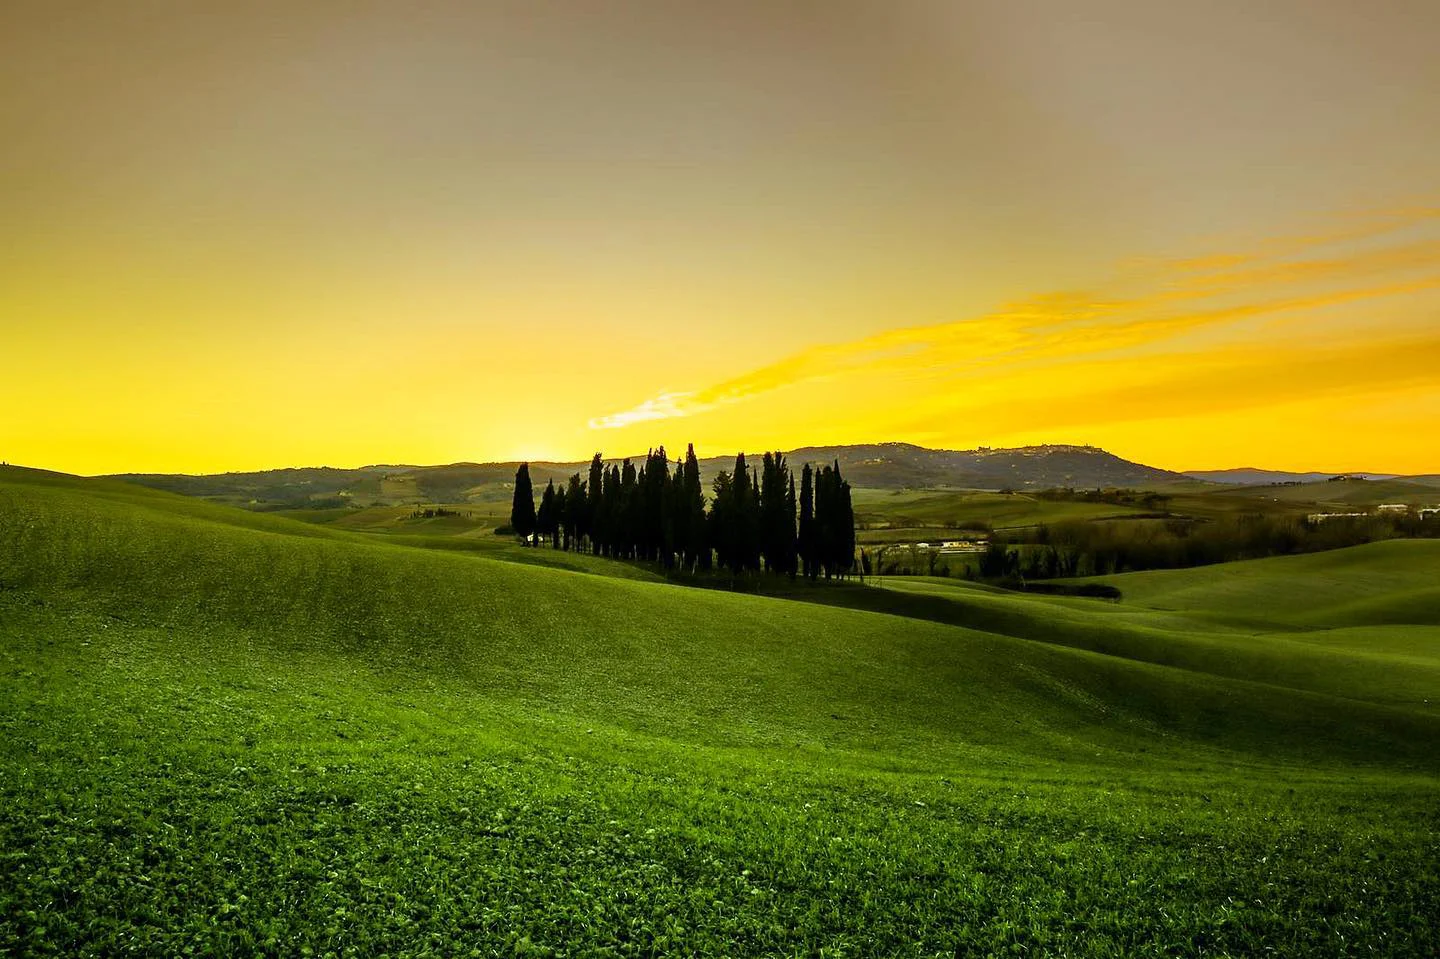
pixel 234 733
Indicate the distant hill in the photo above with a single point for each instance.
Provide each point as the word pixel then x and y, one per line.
pixel 898 465
pixel 1350 490
pixel 877 465
pixel 1250 476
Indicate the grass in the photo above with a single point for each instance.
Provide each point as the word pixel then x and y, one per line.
pixel 1383 663
pixel 918 509
pixel 1394 582
pixel 1353 493
pixel 232 733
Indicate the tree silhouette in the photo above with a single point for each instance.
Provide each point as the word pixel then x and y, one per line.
pixel 834 522
pixel 593 498
pixel 745 513
pixel 575 513
pixel 722 524
pixel 547 520
pixel 522 505
pixel 656 513
pixel 777 514
pixel 560 534
pixel 697 544
pixel 844 525
pixel 627 514
pixel 788 529
pixel 608 512
pixel 807 540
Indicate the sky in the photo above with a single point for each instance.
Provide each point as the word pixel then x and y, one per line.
pixel 242 236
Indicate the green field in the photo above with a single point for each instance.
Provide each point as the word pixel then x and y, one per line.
pixel 917 509
pixel 1352 493
pixel 237 733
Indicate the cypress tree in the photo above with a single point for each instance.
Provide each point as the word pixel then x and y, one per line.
pixel 777 514
pixel 697 546
pixel 676 518
pixel 575 509
pixel 546 521
pixel 640 532
pixel 626 511
pixel 772 504
pixel 557 512
pixel 562 519
pixel 754 529
pixel 522 504
pixel 807 522
pixel 746 520
pixel 788 529
pixel 722 525
pixel 845 527
pixel 651 534
pixel 834 522
pixel 824 510
pixel 593 497
pixel 606 511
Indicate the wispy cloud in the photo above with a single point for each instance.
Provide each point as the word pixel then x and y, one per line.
pixel 663 407
pixel 1228 380
pixel 1149 307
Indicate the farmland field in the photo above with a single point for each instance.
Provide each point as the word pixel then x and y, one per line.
pixel 956 508
pixel 238 733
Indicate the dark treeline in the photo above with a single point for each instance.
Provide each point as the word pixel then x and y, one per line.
pixel 756 519
pixel 1146 499
pixel 432 512
pixel 1096 549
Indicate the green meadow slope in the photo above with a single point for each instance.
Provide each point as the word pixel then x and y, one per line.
pixel 233 732
pixel 1360 623
pixel 1394 582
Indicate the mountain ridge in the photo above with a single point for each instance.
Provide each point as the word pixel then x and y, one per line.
pixel 891 465
pixel 1255 476
pixel 885 465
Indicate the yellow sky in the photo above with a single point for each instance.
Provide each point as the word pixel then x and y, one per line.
pixel 341 234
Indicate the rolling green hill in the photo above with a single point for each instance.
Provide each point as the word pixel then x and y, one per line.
pixel 917 509
pixel 1392 582
pixel 1353 492
pixel 879 465
pixel 234 732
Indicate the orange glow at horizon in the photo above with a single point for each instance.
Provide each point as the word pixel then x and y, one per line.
pixel 1303 353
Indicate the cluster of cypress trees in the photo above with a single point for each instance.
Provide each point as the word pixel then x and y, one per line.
pixel 755 519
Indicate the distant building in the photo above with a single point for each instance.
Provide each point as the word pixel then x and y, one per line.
pixel 1322 517
pixel 1430 511
pixel 1394 508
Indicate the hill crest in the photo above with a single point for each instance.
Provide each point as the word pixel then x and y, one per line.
pixel 879 465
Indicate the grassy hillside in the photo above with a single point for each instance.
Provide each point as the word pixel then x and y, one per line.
pixel 916 509
pixel 1396 582
pixel 1355 493
pixel 1390 657
pixel 233 732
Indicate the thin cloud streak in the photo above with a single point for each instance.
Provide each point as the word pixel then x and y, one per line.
pixel 663 407
pixel 1224 381
pixel 1218 296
